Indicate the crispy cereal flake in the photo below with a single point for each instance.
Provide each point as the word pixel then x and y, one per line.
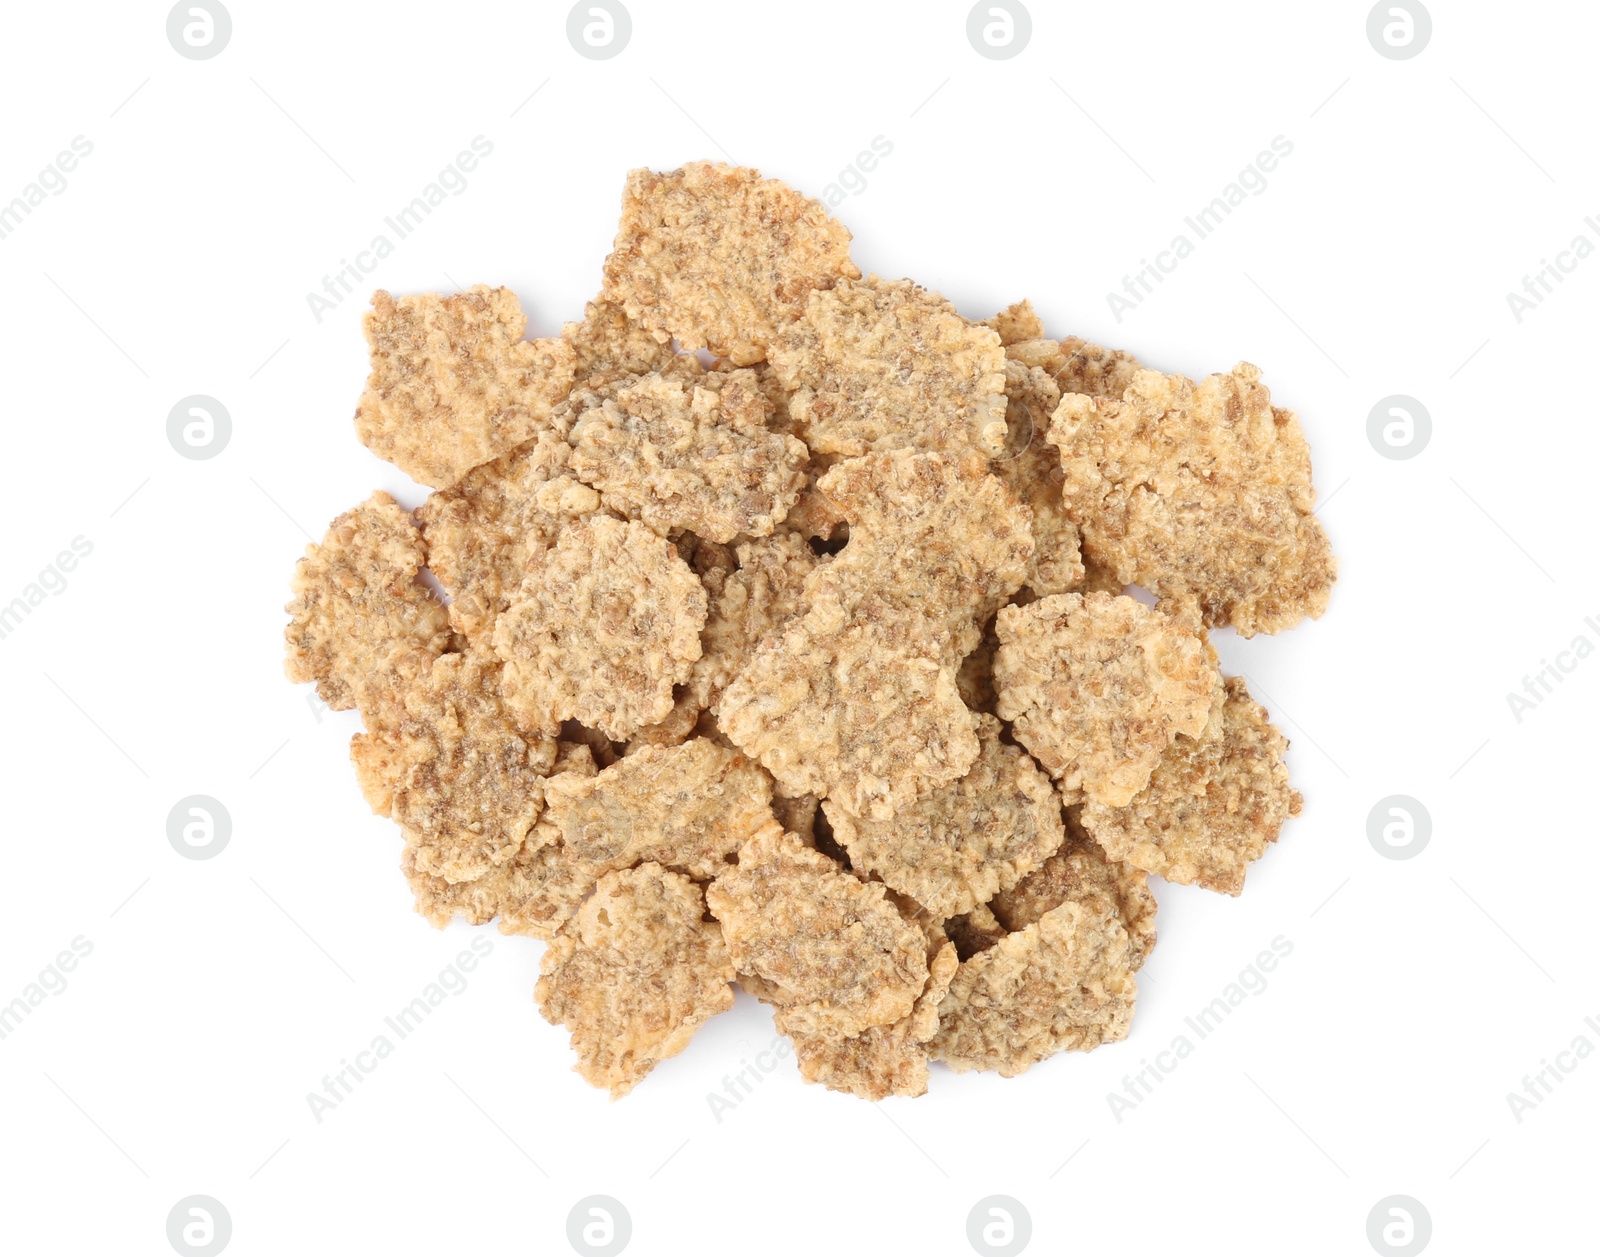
pixel 691 456
pixel 883 364
pixel 720 258
pixel 833 952
pixel 453 383
pixel 1081 871
pixel 687 807
pixel 1065 983
pixel 958 844
pixel 1097 687
pixel 1214 804
pixel 452 769
pixel 634 975
pixel 359 612
pixel 607 621
pixel 1199 490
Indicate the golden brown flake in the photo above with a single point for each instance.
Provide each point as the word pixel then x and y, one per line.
pixel 607 621
pixel 1097 687
pixel 1077 366
pixel 449 766
pixel 1214 804
pixel 1080 872
pixel 691 456
pixel 833 952
pixel 960 843
pixel 1199 490
pixel 482 531
pixel 686 807
pixel 634 975
pixel 359 612
pixel 1064 983
pixel 881 365
pixel 720 258
pixel 1017 322
pixel 453 383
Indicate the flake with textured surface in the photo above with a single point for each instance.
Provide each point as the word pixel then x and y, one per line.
pixel 450 767
pixel 1199 490
pixel 634 975
pixel 833 952
pixel 453 383
pixel 1214 804
pixel 607 621
pixel 359 612
pixel 1064 983
pixel 687 807
pixel 1081 871
pixel 719 257
pixel 1097 686
pixel 691 456
pixel 883 364
pixel 960 843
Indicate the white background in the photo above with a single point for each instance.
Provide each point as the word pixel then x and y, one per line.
pixel 177 261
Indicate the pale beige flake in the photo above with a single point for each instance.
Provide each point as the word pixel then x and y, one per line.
pixel 881 1061
pixel 1214 804
pixel 532 893
pixel 687 807
pixel 453 383
pixel 833 952
pixel 634 975
pixel 933 536
pixel 482 531
pixel 1082 872
pixel 860 713
pixel 1064 983
pixel 883 364
pixel 1075 365
pixel 1199 490
pixel 359 612
pixel 691 456
pixel 720 258
pixel 449 766
pixel 1097 686
pixel 960 843
pixel 607 621
pixel 608 345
